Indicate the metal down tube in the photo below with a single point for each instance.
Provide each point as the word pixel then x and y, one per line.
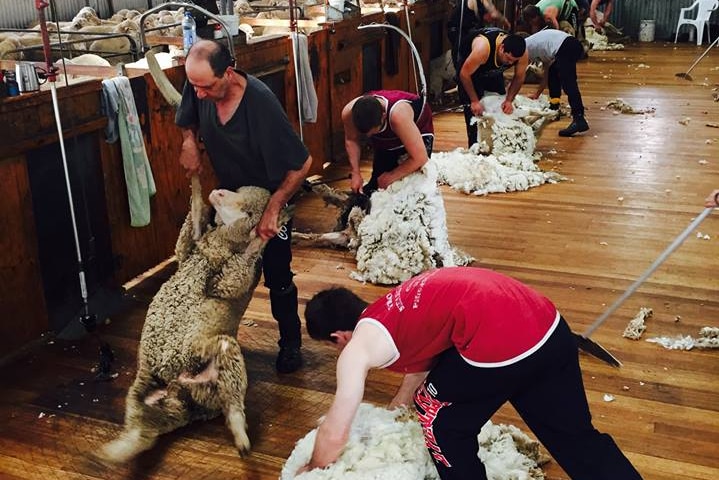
pixel 163 6
pixel 417 59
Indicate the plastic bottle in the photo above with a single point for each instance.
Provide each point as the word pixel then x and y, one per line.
pixel 189 32
pixel 13 89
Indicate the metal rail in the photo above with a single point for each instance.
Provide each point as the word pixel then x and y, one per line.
pixel 163 6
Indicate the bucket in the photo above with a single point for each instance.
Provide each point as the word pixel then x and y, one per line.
pixel 232 23
pixel 646 30
pixel 335 10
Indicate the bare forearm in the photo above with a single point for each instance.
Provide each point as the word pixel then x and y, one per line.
pixel 469 87
pixel 288 187
pixel 328 448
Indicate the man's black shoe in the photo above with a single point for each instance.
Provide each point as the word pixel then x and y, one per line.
pixel 289 360
pixel 578 125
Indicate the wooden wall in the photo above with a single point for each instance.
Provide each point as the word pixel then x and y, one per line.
pixel 336 58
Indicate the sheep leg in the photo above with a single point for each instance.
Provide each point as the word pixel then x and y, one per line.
pixel 231 386
pixel 135 437
pixel 223 383
pixel 330 239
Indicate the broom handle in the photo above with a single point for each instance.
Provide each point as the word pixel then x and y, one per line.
pixel 675 244
pixel 702 56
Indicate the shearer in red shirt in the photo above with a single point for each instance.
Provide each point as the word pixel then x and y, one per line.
pixel 467 340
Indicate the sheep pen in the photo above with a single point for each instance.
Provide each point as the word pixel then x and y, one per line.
pixel 389 445
pixel 190 365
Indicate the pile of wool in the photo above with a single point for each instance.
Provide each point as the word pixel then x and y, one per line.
pixel 708 338
pixel 483 174
pixel 503 158
pixel 599 41
pixel 619 105
pixel 389 445
pixel 405 232
pixel 500 134
pixel 636 326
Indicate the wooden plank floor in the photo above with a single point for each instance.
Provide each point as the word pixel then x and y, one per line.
pixel 574 241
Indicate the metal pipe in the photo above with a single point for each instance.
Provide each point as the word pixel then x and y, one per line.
pixel 209 14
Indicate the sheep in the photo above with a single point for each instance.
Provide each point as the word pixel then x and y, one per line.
pixel 441 76
pixel 9 46
pixel 190 365
pixel 389 445
pixel 404 233
pixel 503 158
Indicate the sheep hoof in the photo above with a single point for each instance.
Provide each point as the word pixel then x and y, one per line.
pixel 244 450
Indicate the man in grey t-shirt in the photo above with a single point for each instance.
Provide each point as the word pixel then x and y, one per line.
pixel 249 141
pixel 559 53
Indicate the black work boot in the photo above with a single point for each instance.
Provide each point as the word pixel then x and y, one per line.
pixel 578 125
pixel 284 310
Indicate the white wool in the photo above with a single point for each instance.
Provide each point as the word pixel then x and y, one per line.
pixel 385 445
pixel 619 105
pixel 511 166
pixel 636 326
pixel 467 172
pixel 166 60
pixel 87 59
pixel 599 41
pixel 708 338
pixel 405 232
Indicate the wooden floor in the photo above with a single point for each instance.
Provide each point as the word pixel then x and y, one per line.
pixel 575 241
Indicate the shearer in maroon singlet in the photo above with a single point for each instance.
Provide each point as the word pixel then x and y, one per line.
pixel 398 126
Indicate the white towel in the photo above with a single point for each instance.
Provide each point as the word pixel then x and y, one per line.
pixel 140 183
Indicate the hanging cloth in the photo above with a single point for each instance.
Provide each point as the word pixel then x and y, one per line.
pixel 123 122
pixel 308 95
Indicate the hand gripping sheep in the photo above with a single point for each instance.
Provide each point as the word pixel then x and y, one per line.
pixel 190 366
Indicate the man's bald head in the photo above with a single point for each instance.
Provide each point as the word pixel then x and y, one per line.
pixel 216 54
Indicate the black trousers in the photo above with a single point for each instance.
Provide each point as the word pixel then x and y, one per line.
pixel 494 82
pixel 387 160
pixel 563 74
pixel 546 389
pixel 276 267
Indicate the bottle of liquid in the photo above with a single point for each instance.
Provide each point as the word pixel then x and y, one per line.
pixel 13 89
pixel 189 32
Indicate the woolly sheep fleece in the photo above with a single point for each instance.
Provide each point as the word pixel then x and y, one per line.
pixel 503 158
pixel 405 232
pixel 190 366
pixel 389 445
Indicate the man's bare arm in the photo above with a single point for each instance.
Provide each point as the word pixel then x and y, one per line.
pixel 403 125
pixel 267 227
pixel 353 148
pixel 406 390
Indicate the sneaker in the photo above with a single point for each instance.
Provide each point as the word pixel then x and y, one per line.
pixel 578 125
pixel 289 360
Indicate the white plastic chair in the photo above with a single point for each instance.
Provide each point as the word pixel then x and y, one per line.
pixel 704 11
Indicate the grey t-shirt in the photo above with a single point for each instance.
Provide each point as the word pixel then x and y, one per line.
pixel 544 45
pixel 257 146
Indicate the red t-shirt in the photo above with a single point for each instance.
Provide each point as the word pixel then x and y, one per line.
pixel 491 319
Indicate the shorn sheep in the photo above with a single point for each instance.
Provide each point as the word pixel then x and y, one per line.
pixel 190 366
pixel 389 445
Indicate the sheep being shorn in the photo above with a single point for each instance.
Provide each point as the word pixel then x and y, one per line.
pixel 389 445
pixel 190 366
pixel 405 232
pixel 503 159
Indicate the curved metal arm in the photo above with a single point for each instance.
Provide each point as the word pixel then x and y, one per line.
pixel 164 6
pixel 415 54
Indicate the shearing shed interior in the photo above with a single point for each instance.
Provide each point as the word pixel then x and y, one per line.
pixel 142 336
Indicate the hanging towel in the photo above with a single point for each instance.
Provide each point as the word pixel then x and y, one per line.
pixel 308 96
pixel 123 121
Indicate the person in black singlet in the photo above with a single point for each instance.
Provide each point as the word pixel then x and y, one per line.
pixel 469 15
pixel 484 55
